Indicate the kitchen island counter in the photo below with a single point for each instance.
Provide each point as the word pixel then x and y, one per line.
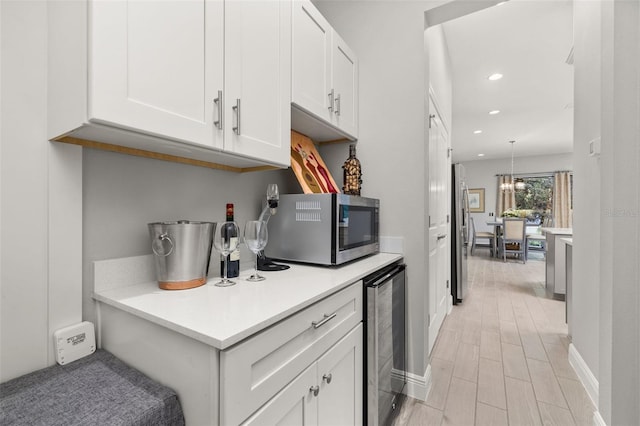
pixel 223 316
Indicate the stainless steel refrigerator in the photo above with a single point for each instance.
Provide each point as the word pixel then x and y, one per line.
pixel 459 232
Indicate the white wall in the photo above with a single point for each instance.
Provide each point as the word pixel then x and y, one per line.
pixel 586 184
pixel 482 174
pixel 122 194
pixel 40 203
pixel 619 357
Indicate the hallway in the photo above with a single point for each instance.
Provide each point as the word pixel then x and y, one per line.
pixel 501 356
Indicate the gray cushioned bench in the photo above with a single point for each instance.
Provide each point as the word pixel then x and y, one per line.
pixel 96 390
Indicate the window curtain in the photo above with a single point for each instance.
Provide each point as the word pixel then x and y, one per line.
pixel 506 199
pixel 562 214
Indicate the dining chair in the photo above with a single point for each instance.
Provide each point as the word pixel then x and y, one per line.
pixel 514 238
pixel 482 234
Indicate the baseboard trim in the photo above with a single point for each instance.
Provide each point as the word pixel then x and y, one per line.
pixel 598 420
pixel 418 387
pixel 585 375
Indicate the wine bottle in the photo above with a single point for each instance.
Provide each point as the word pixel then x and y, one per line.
pixel 233 259
pixel 352 173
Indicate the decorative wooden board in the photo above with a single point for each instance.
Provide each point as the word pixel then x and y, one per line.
pixel 311 171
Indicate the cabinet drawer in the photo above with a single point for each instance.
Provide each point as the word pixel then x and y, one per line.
pixel 255 370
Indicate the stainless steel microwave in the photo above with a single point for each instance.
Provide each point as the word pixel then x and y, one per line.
pixel 324 229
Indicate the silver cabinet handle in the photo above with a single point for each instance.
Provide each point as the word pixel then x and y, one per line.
pixel 327 378
pixel 442 236
pixel 218 102
pixel 326 319
pixel 330 100
pixel 338 104
pixel 315 390
pixel 236 108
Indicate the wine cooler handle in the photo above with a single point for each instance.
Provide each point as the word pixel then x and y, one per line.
pixel 218 102
pixel 330 95
pixel 236 108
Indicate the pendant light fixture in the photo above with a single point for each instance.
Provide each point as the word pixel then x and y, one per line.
pixel 513 185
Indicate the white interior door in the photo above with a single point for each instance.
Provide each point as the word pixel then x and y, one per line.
pixel 439 239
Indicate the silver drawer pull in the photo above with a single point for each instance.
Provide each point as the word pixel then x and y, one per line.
pixel 326 319
pixel 327 378
pixel 315 390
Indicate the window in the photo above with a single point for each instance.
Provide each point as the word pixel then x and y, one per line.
pixel 536 196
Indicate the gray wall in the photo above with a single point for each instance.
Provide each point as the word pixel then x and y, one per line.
pixel 482 174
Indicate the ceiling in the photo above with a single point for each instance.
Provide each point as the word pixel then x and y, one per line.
pixel 528 41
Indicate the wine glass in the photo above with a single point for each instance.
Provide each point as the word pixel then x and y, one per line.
pixel 255 237
pixel 225 240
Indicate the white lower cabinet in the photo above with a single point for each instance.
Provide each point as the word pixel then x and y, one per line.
pixel 329 392
pixel 306 369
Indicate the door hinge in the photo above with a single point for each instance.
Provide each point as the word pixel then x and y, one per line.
pixel 447 283
pixel 431 117
pixel 449 152
pixel 447 218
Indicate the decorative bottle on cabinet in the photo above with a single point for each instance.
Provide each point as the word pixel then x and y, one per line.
pixel 352 177
pixel 233 260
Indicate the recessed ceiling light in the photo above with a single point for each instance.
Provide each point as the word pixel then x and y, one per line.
pixel 477 132
pixel 494 112
pixel 494 77
pixel 480 155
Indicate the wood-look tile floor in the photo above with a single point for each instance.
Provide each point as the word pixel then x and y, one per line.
pixel 501 355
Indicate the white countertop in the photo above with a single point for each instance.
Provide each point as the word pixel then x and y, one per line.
pixel 223 316
pixel 557 231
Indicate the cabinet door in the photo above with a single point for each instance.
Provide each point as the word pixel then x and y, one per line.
pixel 156 66
pixel 345 86
pixel 258 79
pixel 340 379
pixel 311 79
pixel 295 405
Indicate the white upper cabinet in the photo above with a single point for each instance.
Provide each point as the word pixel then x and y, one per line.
pixel 311 79
pixel 324 80
pixel 156 66
pixel 258 79
pixel 203 79
pixel 345 86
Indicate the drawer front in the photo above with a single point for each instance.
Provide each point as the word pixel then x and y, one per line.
pixel 255 370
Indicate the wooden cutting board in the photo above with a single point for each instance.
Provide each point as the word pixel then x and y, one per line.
pixel 307 165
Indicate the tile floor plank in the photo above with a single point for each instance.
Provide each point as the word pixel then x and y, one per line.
pixel 487 415
pixel 461 403
pixel 521 403
pixel 545 383
pixel 491 383
pixel 579 402
pixel 514 362
pixel 553 415
pixel 466 363
pixel 441 372
pixel 490 345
